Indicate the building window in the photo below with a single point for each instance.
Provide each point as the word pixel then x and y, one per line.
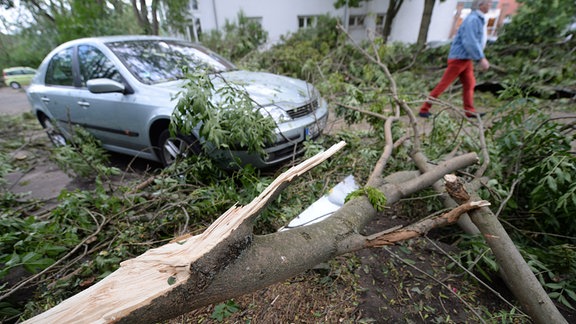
pixel 307 21
pixel 254 20
pixel 356 20
pixel 194 4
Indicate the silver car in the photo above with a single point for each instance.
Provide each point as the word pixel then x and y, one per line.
pixel 122 88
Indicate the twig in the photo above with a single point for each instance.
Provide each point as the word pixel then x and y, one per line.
pixel 379 166
pixel 393 89
pixel 143 185
pixel 505 201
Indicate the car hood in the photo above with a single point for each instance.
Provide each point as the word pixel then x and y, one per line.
pixel 262 87
pixel 267 88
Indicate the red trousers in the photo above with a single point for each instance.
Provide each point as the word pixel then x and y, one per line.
pixel 463 69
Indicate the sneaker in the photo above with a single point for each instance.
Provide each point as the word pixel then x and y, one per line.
pixel 474 114
pixel 424 114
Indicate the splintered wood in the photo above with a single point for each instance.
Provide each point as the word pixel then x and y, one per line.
pixel 159 271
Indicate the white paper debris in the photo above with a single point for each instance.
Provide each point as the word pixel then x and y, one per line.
pixel 325 206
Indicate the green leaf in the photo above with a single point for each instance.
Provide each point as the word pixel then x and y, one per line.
pixel 171 280
pixel 37 265
pixel 554 285
pixel 571 294
pixel 30 256
pixel 551 183
pixel 376 197
pixel 565 302
pixel 14 260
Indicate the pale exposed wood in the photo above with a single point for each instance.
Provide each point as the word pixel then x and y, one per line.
pixel 140 280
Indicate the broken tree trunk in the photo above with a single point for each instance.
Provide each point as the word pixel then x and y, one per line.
pixel 464 221
pixel 513 268
pixel 228 260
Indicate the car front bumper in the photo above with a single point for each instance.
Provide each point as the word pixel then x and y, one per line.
pixel 289 143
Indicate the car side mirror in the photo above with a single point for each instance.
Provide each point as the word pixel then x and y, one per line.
pixel 104 85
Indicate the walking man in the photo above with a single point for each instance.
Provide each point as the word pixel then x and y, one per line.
pixel 467 46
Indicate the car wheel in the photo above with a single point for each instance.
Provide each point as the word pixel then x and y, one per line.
pixel 172 148
pixel 53 133
pixel 15 85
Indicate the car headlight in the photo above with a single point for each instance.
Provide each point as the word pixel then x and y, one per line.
pixel 278 114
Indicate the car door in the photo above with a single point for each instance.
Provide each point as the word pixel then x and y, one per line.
pixel 58 92
pixel 115 118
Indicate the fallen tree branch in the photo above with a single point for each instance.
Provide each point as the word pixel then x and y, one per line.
pixel 227 260
pixel 464 221
pixel 512 266
pixel 422 227
pixel 386 154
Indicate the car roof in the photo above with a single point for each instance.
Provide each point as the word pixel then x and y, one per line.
pixel 119 38
pixel 108 39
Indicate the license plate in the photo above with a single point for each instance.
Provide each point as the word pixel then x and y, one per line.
pixel 314 129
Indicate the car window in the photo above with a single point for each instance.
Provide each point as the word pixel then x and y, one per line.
pixel 59 71
pixel 94 64
pixel 156 61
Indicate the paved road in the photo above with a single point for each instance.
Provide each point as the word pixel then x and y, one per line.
pixel 13 102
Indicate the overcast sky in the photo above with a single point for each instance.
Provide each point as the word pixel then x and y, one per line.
pixel 11 17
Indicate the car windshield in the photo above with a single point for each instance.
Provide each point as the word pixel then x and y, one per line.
pixel 157 61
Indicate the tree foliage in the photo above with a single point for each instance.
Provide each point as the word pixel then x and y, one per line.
pixel 225 116
pixel 539 22
pixel 45 24
pixel 238 38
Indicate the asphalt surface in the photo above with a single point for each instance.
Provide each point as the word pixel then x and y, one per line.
pixel 43 180
pixel 13 102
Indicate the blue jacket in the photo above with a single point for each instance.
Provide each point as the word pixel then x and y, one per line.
pixel 468 43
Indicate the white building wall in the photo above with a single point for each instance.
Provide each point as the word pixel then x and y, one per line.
pixel 443 20
pixel 280 17
pixel 406 25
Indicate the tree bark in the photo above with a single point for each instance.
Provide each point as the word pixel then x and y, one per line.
pixel 227 260
pixel 464 221
pixel 513 268
pixel 393 8
pixel 141 12
pixel 425 22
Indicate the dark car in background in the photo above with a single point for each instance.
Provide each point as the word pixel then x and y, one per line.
pixel 122 88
